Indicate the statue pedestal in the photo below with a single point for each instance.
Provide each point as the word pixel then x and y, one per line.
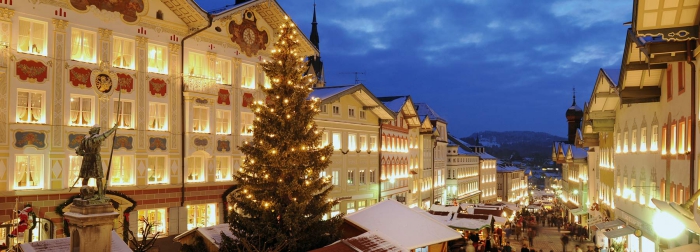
pixel 90 223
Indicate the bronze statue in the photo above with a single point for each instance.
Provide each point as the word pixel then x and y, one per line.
pixel 91 167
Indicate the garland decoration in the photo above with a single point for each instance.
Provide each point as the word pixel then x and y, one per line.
pixel 115 204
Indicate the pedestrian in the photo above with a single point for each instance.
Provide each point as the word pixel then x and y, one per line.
pixel 564 241
pixel 578 248
pixel 509 230
pixel 507 247
pixel 524 249
pixel 530 236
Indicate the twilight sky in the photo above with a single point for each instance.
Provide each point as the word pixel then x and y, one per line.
pixel 481 64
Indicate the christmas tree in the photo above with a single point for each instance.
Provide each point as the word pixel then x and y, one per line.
pixel 283 192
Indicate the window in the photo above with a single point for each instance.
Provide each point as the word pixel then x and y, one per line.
pixel 335 178
pixel 643 140
pixel 155 217
pixel 30 106
pixel 337 142
pixel 363 143
pixel 664 134
pixel 197 64
pixel 371 176
pixel 81 111
pixel 351 177
pixel 223 71
pixel 351 112
pixel 634 140
pixel 373 143
pixel 157 116
pixel 350 207
pixel 28 171
pixel 203 215
pixel 157 59
pixel 223 168
pixel 248 76
pixel 74 172
pixel 335 210
pixel 122 170
pixel 123 115
pixel 157 170
pixel 324 139
pixel 654 138
pixel 268 83
pixel 200 119
pixel 352 142
pixel 360 205
pixel 32 37
pixel 674 138
pixel 689 134
pixel 123 53
pixel 681 136
pixel 681 78
pixel 195 169
pixel 362 177
pixel 83 46
pixel 336 110
pixel 625 138
pixel 223 121
pixel 618 142
pixel 669 83
pixel 362 114
pixel 247 123
pixel 324 109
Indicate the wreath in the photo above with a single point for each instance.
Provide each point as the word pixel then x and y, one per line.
pixel 115 204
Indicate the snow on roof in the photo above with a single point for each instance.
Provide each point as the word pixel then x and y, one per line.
pixel 211 233
pixel 507 169
pixel 402 226
pixel 578 152
pixel 326 92
pixel 366 242
pixel 441 208
pixel 424 110
pixel 395 103
pixel 63 244
pixel 485 155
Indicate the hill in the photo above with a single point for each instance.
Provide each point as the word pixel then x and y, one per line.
pixel 516 144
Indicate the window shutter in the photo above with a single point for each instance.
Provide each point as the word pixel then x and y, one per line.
pixel 173 218
pixel 134 223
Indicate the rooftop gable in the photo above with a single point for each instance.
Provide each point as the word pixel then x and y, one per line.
pixel 330 94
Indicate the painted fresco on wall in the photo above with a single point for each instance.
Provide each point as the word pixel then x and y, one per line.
pixel 128 8
pixel 247 100
pixel 247 36
pixel 30 138
pixel 224 97
pixel 123 142
pixel 125 82
pixel 157 87
pixel 74 140
pixel 223 145
pixel 80 77
pixel 32 71
pixel 157 143
pixel 201 142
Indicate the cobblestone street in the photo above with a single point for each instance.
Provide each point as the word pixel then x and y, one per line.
pixel 549 240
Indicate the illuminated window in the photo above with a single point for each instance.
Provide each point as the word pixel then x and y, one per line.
pixel 352 142
pixel 363 143
pixel 203 215
pixel 362 177
pixel 123 115
pixel 223 122
pixel 247 123
pixel 83 46
pixel 335 210
pixel 29 172
pixel 634 141
pixel 654 138
pixel 31 37
pixel 334 177
pixel 223 168
pixel 373 143
pixel 625 143
pixel 74 172
pixel 157 59
pixel 351 177
pixel 157 116
pixel 681 136
pixel 223 71
pixel 643 140
pixel 81 111
pixel 123 53
pixel 30 106
pixel 361 205
pixel 337 141
pixel 674 138
pixel 350 206
pixel 200 119
pixel 664 134
pixel 324 139
pixel 122 170
pixel 372 178
pixel 362 114
pixel 248 76
pixel 157 170
pixel 268 83
pixel 197 64
pixel 689 134
pixel 195 169
pixel 618 142
pixel 156 217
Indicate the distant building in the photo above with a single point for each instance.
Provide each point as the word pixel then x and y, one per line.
pixel 462 183
pixel 487 170
pixel 512 184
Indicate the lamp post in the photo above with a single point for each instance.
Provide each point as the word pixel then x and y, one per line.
pixel 666 222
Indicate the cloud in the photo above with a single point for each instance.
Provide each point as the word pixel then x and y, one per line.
pixel 586 13
pixel 597 55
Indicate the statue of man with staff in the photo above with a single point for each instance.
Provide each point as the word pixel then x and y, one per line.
pixel 91 167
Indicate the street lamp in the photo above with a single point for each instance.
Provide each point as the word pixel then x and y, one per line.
pixel 667 226
pixel 672 218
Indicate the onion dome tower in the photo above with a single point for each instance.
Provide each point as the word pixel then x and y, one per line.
pixel 574 115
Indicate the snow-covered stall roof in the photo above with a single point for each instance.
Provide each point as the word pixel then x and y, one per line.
pixel 402 226
pixel 211 233
pixel 441 208
pixel 63 244
pixel 366 242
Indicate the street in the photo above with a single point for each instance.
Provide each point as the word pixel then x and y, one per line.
pixel 547 240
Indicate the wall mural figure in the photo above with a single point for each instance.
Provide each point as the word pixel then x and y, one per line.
pixel 247 36
pixel 128 8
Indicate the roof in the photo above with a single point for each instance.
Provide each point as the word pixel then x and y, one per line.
pixel 366 242
pixel 211 233
pixel 508 169
pixel 402 104
pixel 463 146
pixel 63 244
pixel 577 153
pixel 485 155
pixel 329 94
pixel 612 74
pixel 424 110
pixel 406 228
pixel 394 103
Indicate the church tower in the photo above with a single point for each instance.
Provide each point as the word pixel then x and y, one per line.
pixel 314 62
pixel 573 116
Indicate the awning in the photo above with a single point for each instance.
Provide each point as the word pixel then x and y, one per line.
pixel 619 232
pixel 673 209
pixel 579 211
pixel 610 224
pixel 571 206
pixel 693 247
